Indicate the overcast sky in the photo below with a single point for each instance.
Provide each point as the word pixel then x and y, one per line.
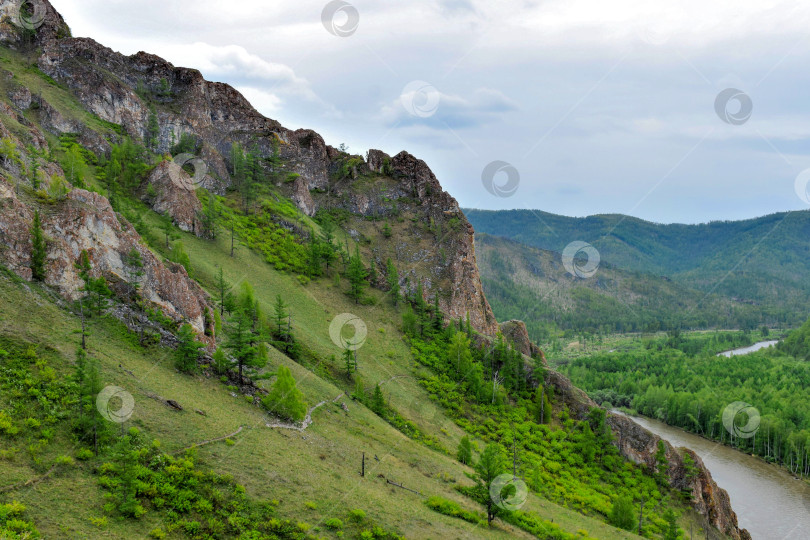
pixel 599 107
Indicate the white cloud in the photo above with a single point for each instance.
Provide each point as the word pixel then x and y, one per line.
pixel 430 107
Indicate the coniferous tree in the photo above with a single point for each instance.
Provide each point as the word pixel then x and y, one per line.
pixel 392 277
pixel 357 275
pixel 74 165
pixel 464 453
pixel 284 399
pixel 38 249
pixel 133 263
pixel 240 342
pixel 188 350
pixel 350 360
pixel 221 362
pixel 490 465
pixel 210 217
pixel 95 289
pixel 329 252
pixel 378 401
pixel 89 423
pixel 283 327
pixel 458 353
pixel 222 290
pixel 438 317
pixel 671 532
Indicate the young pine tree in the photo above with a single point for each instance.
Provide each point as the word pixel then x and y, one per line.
pixel 38 249
pixel 188 350
pixel 240 341
pixel 350 361
pixel 392 277
pixel 284 399
pixel 281 318
pixel 221 362
pixel 222 290
pixel 89 424
pixel 378 401
pixel 490 465
pixel 95 289
pixel 357 274
pixel 464 453
pixel 133 263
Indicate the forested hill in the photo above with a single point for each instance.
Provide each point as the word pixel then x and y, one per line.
pixel 762 261
pixel 530 284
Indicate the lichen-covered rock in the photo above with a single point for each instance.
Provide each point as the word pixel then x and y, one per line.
pixel 641 446
pixel 50 27
pixel 517 334
pixel 172 194
pixel 15 232
pixel 86 221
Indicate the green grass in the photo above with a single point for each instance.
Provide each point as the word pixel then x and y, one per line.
pixel 321 464
pixel 56 94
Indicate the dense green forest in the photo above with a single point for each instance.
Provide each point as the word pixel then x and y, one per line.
pixel 531 285
pixel 681 381
pixel 762 261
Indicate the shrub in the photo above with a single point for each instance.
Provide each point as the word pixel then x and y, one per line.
pixel 333 523
pixel 284 399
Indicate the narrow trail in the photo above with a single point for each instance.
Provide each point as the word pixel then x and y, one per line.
pixel 31 482
pixel 209 441
pixel 307 420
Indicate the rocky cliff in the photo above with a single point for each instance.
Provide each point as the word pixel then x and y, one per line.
pixel 640 446
pixel 122 90
pixel 76 220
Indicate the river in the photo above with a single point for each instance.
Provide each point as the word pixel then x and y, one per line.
pixel 749 349
pixel 769 502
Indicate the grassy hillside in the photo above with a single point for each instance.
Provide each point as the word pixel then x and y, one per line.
pixel 319 466
pixel 531 285
pixel 216 464
pixel 763 261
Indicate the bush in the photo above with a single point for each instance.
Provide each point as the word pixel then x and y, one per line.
pixel 334 523
pixel 452 509
pixel 284 399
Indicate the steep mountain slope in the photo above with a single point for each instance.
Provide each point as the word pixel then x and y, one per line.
pixel 531 284
pixel 124 91
pixel 226 461
pixel 763 261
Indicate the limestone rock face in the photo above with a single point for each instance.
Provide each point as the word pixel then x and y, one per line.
pixel 85 221
pixel 518 335
pixel 174 196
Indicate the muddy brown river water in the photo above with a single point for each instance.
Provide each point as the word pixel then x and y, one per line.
pixel 769 502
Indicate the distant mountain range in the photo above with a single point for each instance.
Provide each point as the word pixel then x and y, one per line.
pixel 739 273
